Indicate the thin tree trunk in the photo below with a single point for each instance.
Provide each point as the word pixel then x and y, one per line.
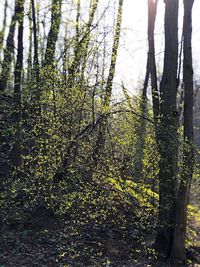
pixel 17 149
pixel 52 38
pixel 78 22
pixel 168 147
pixel 178 255
pixel 152 10
pixel 150 72
pixel 108 90
pixel 75 73
pixel 36 59
pixel 53 32
pixel 2 32
pixel 9 50
pixel 115 47
pixel 30 52
pixel 81 48
pixel 93 8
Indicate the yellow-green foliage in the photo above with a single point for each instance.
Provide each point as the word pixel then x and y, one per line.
pixel 140 192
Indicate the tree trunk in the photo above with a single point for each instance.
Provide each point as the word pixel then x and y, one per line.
pixel 2 32
pixel 115 47
pixel 152 10
pixel 30 51
pixel 108 91
pixel 168 147
pixel 9 50
pixel 178 255
pixel 152 72
pixel 36 60
pixel 17 149
pixel 81 47
pixel 53 32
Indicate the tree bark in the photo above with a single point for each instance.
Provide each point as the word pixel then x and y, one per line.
pixel 108 91
pixel 81 47
pixel 115 47
pixel 178 255
pixel 9 50
pixel 168 147
pixel 36 59
pixel 152 10
pixel 53 32
pixel 2 32
pixel 150 72
pixel 30 51
pixel 17 149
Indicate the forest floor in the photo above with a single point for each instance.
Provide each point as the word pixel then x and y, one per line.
pixel 104 228
pixel 55 242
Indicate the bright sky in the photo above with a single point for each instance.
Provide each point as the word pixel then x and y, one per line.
pixel 131 62
pixel 133 50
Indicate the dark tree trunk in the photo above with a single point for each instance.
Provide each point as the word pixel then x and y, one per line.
pixel 152 10
pixel 17 149
pixel 36 60
pixel 53 32
pixel 9 50
pixel 115 47
pixel 100 144
pixel 2 32
pixel 168 146
pixel 81 46
pixel 30 52
pixel 150 72
pixel 178 255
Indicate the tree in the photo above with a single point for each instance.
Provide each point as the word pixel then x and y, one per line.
pixel 152 10
pixel 36 59
pixel 9 49
pixel 108 90
pixel 81 46
pixel 151 72
pixel 70 153
pixel 53 32
pixel 178 255
pixel 17 150
pixel 2 32
pixel 168 144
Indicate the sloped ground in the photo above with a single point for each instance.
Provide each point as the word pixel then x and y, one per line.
pixel 60 243
pixel 102 228
pixel 54 241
